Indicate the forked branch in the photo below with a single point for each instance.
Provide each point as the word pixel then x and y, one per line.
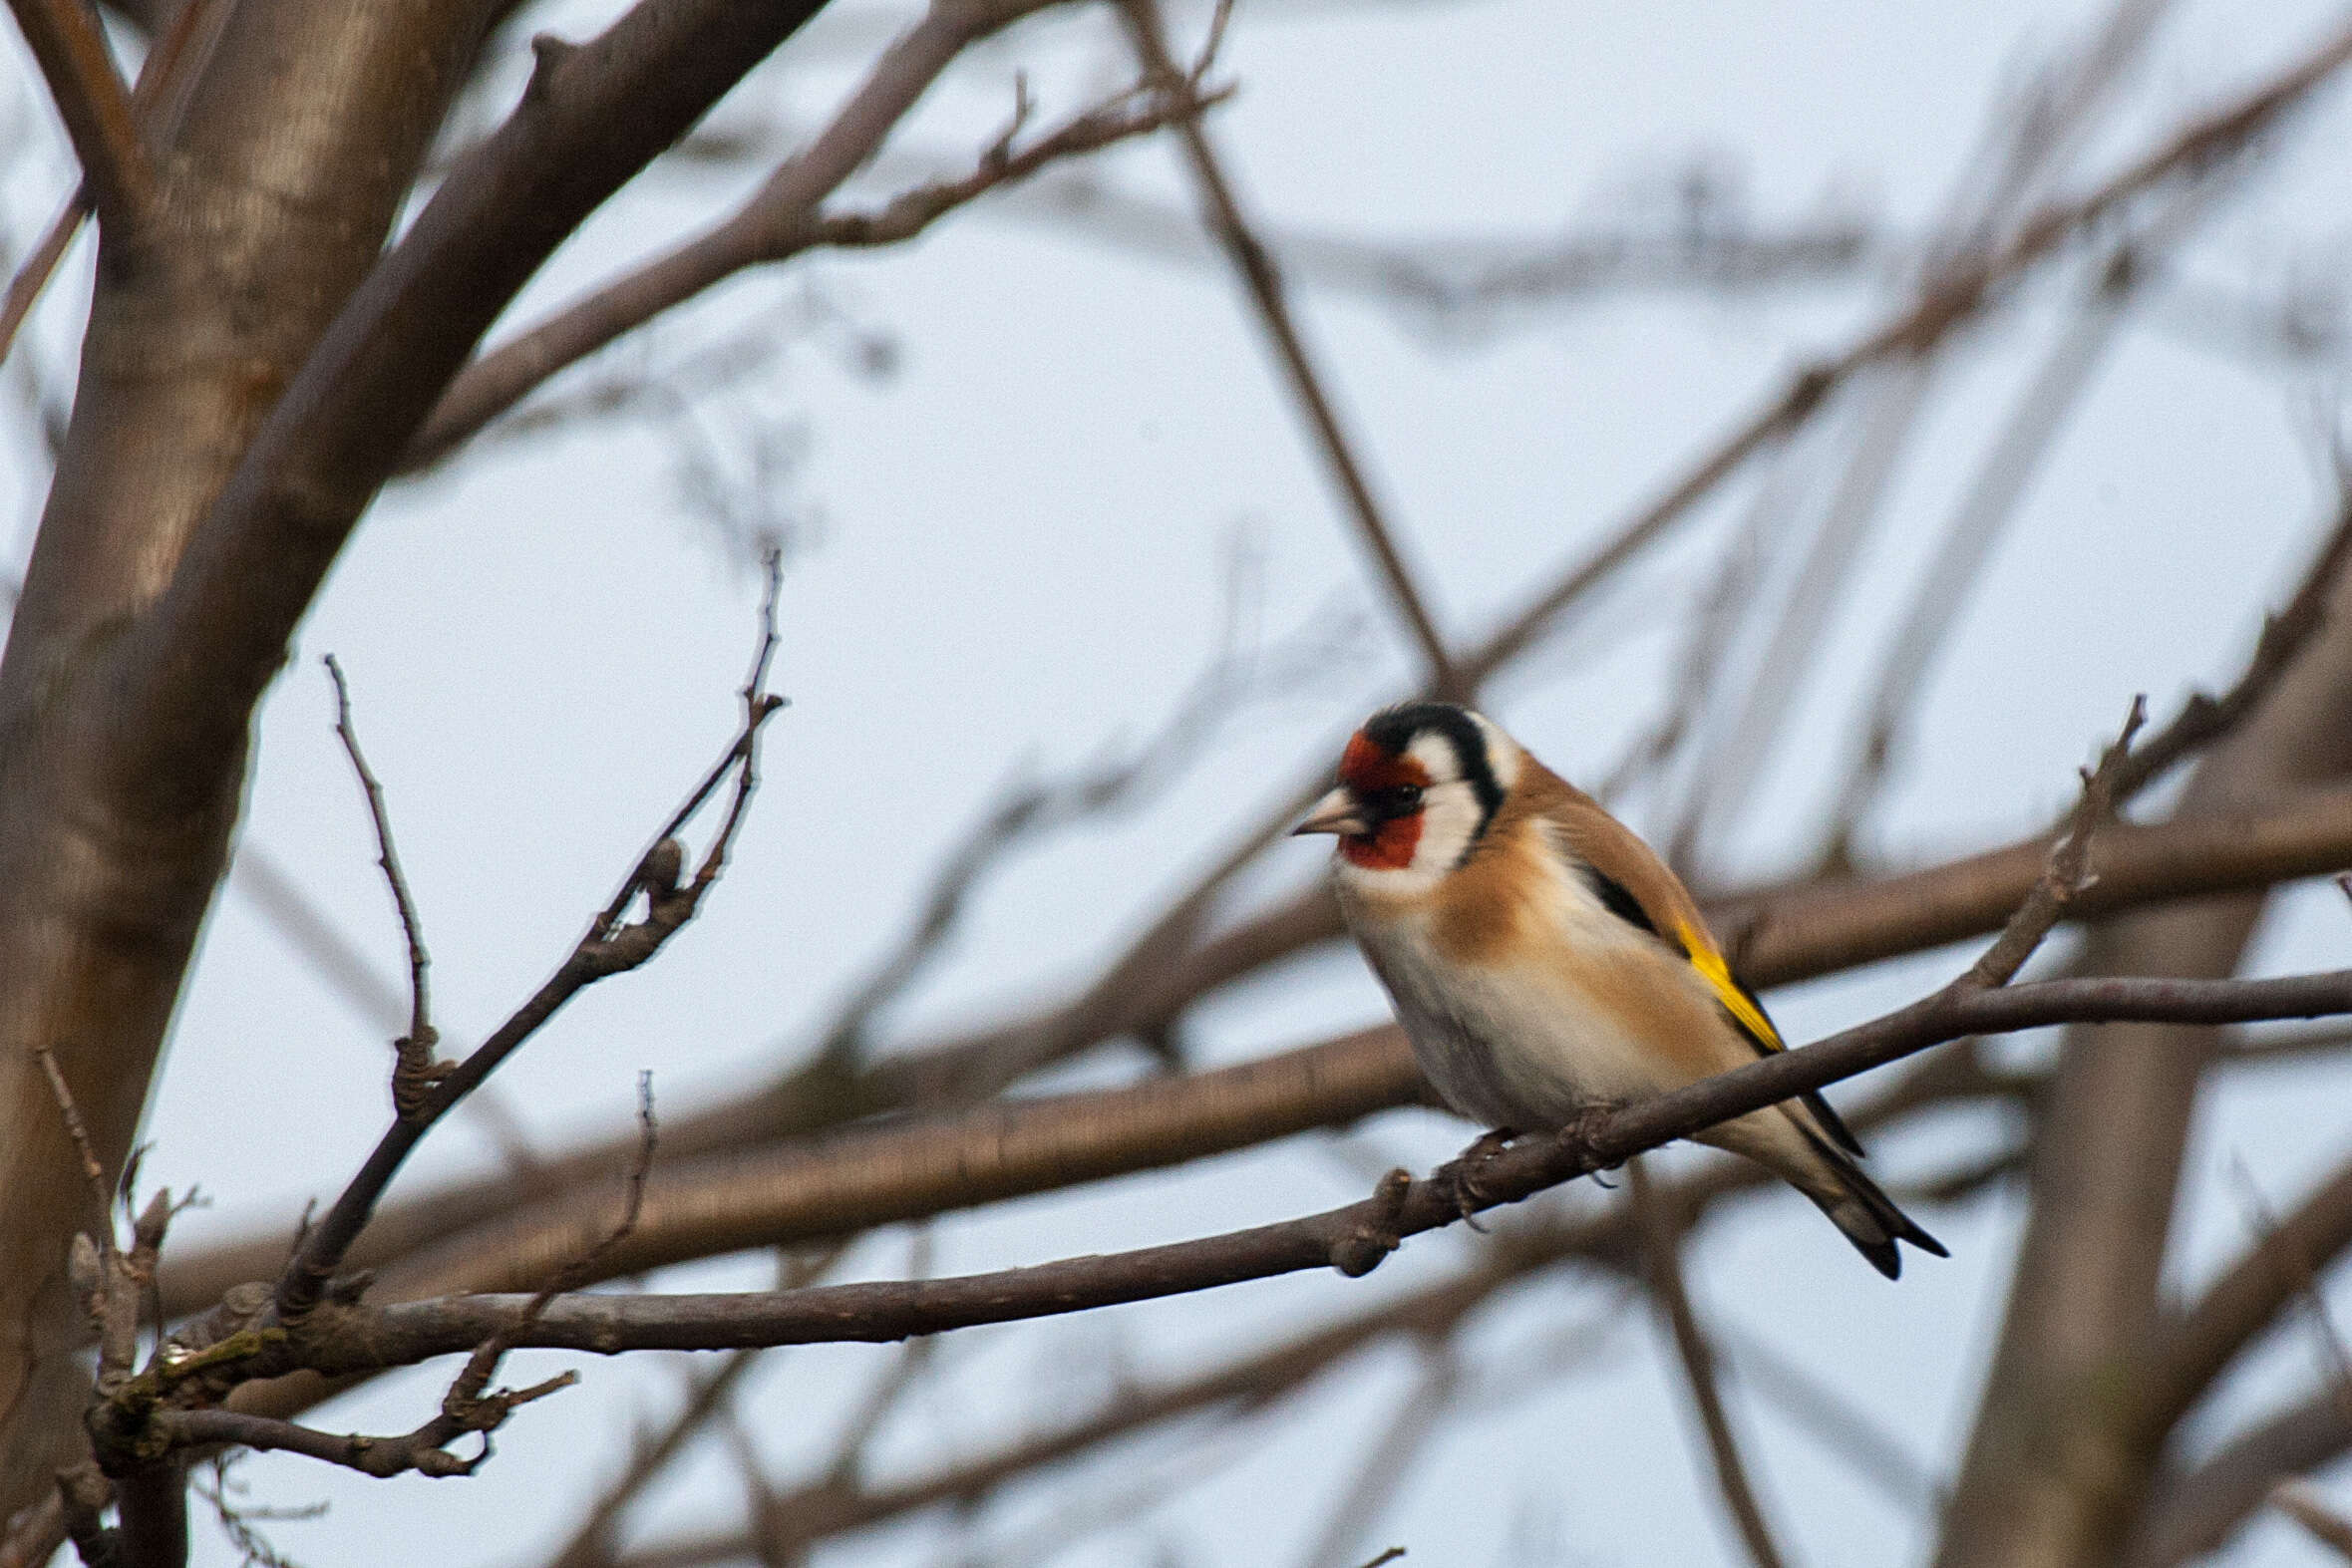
pixel 609 947
pixel 72 52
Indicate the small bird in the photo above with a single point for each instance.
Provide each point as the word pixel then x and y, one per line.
pixel 1543 960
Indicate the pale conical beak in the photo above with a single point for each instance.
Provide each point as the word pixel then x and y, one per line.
pixel 1336 813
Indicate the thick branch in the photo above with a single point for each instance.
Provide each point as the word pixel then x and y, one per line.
pixel 592 116
pixel 863 1178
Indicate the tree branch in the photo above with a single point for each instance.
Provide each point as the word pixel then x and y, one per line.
pixel 1255 265
pixel 739 1177
pixel 415 1072
pixel 592 116
pixel 1662 1246
pixel 780 220
pixel 1953 297
pixel 423 1094
pixel 72 52
pixel 1353 1238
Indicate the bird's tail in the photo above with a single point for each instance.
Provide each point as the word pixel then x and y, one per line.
pixel 1866 1215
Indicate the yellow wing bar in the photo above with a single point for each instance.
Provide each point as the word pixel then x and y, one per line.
pixel 1711 967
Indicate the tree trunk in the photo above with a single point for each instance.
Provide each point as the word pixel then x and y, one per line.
pixel 2058 1464
pixel 300 141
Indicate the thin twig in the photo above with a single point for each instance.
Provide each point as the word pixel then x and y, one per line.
pixel 414 1071
pixel 86 1151
pixel 779 220
pixel 2068 871
pixel 1136 111
pixel 608 948
pixel 1662 1245
pixel 1255 265
pixel 25 286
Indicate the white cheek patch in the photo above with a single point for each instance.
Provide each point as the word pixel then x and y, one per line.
pixel 1502 753
pixel 1449 822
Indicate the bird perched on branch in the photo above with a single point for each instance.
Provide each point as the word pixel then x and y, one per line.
pixel 1544 961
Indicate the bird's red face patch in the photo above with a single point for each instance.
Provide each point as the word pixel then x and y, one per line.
pixel 1367 770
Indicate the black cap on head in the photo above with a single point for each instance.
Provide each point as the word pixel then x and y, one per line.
pixel 1394 729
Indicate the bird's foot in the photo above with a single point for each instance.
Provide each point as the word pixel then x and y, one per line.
pixel 1461 1175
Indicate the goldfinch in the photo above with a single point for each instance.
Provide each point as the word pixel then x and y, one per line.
pixel 1544 961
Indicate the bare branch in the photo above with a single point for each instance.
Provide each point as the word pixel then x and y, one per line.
pixel 1136 111
pixel 1662 1244
pixel 1956 296
pixel 93 1172
pixel 423 1450
pixel 1255 264
pixel 95 108
pixel 780 220
pixel 607 948
pixel 914 1167
pixel 1353 1238
pixel 518 1234
pixel 414 1069
pixel 33 273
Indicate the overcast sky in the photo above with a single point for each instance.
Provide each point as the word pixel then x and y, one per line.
pixel 1016 464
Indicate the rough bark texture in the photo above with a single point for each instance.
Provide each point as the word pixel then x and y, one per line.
pixel 2058 1464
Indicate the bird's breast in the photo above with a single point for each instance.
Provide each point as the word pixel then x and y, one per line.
pixel 1533 1038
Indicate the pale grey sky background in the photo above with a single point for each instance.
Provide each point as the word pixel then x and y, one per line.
pixel 1010 550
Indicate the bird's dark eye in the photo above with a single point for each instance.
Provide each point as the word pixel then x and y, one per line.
pixel 1394 801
